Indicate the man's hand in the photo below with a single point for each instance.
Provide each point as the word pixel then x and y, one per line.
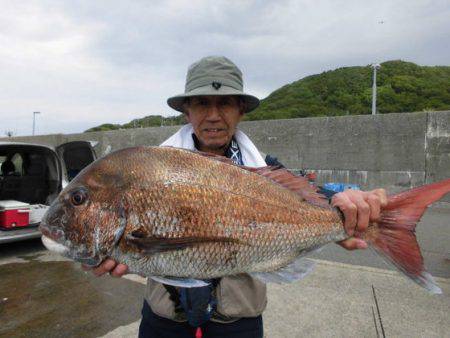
pixel 109 265
pixel 359 208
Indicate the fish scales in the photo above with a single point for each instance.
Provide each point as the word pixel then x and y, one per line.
pixel 263 233
pixel 271 230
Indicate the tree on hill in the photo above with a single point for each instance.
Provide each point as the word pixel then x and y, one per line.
pixel 145 122
pixel 104 127
pixel 402 87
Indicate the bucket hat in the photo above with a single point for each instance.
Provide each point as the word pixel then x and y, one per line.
pixel 213 75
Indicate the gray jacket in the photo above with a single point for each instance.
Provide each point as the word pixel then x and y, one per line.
pixel 237 296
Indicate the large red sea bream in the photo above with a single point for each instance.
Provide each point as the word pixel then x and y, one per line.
pixel 182 217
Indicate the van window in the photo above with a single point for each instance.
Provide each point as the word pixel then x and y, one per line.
pixel 18 163
pixel 76 159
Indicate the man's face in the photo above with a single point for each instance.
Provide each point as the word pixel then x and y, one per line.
pixel 214 119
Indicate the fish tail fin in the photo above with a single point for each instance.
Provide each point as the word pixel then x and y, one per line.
pixel 394 235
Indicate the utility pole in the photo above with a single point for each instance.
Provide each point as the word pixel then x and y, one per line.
pixel 34 120
pixel 375 66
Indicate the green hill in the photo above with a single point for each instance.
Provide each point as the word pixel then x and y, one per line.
pixel 402 87
pixel 148 121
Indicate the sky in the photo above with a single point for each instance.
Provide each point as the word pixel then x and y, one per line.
pixel 84 63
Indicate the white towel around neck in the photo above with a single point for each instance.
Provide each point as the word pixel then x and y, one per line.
pixel 250 154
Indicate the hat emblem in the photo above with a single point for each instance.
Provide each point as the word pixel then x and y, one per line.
pixel 216 85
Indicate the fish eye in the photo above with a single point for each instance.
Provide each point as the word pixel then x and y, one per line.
pixel 78 197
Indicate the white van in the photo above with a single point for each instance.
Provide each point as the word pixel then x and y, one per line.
pixel 31 177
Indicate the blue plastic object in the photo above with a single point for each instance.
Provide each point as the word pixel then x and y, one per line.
pixel 339 187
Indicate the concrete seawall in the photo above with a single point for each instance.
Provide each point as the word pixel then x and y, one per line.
pixel 394 151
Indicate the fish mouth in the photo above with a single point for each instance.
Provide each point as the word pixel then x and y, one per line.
pixel 53 233
pixel 51 223
pixel 55 241
pixel 54 237
pixel 78 255
pixel 54 246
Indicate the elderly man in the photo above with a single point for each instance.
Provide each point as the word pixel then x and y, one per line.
pixel 214 103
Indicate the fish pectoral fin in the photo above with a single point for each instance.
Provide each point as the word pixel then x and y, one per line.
pixel 154 244
pixel 180 282
pixel 297 270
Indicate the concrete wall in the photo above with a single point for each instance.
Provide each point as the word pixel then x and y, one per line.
pixel 394 151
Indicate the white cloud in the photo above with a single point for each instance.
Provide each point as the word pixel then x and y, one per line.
pixel 86 63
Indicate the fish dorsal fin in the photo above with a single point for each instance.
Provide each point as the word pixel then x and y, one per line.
pixel 298 184
pixel 278 174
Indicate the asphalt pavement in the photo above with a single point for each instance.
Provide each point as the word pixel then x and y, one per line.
pixel 350 294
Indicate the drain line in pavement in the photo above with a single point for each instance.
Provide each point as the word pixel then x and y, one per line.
pixel 379 314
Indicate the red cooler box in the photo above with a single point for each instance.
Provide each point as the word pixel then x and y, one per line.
pixel 14 214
